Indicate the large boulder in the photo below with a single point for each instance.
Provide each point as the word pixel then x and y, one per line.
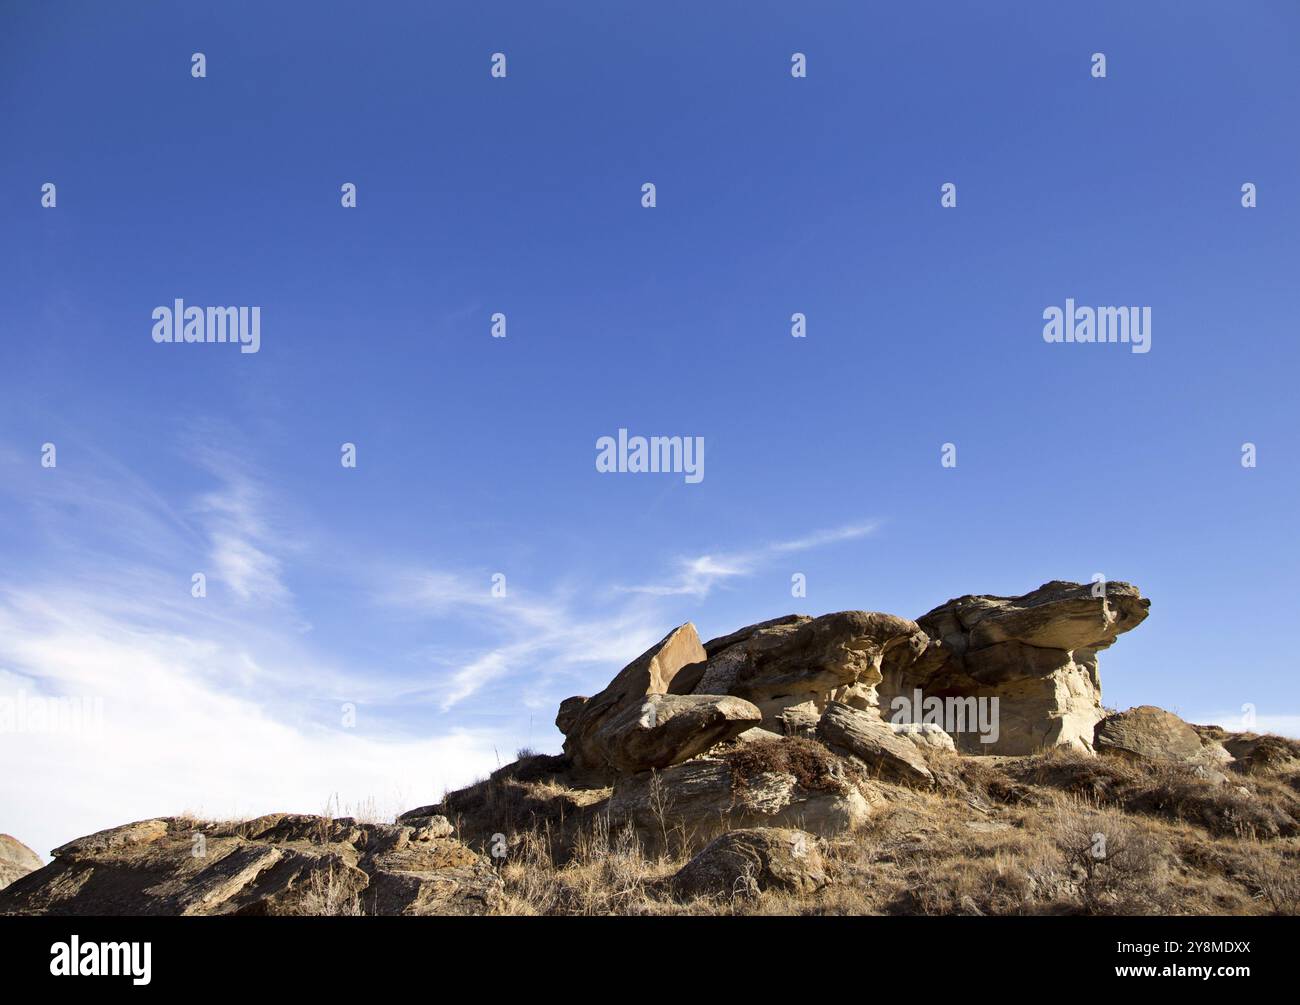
pixel 743 862
pixel 1147 733
pixel 16 860
pixel 805 663
pixel 277 864
pixel 651 673
pixel 665 729
pixel 865 736
pixel 1036 654
pixel 698 799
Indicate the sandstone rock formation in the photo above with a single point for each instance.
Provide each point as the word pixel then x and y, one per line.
pixel 590 736
pixel 1253 753
pixel 865 736
pixel 837 679
pixel 1036 653
pixel 277 864
pixel 708 795
pixel 1148 733
pixel 803 664
pixel 665 729
pixel 925 735
pixel 16 860
pixel 742 862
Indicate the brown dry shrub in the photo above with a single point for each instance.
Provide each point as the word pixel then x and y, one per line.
pixel 1266 810
pixel 1264 754
pixel 1263 811
pixel 1118 866
pixel 979 777
pixel 1277 878
pixel 607 873
pixel 506 805
pixel 814 767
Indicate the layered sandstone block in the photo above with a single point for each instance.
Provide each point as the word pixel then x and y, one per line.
pixel 1036 653
pixel 634 724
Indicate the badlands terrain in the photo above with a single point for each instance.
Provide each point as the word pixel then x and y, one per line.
pixel 853 763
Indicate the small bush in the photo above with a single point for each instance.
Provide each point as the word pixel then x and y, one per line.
pixel 813 766
pixel 1119 868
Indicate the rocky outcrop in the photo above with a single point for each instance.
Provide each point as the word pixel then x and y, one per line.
pixel 665 729
pixel 1036 654
pixel 863 735
pixel 1025 668
pixel 1030 660
pixel 427 824
pixel 707 796
pixel 1148 733
pixel 803 664
pixel 278 864
pixel 743 862
pixel 16 860
pixel 590 725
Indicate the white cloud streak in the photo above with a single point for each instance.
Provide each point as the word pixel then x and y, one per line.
pixel 698 576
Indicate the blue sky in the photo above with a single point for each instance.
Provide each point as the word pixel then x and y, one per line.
pixel 476 455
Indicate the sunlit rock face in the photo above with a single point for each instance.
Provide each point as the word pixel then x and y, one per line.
pixel 1036 654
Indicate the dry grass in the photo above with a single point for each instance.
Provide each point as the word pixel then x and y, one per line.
pixel 1245 807
pixel 1052 834
pixel 607 872
pixel 328 893
pixel 530 796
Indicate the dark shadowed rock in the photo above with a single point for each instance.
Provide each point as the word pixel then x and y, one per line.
pixel 569 711
pixel 277 864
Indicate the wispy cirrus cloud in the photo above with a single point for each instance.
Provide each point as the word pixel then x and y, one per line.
pixel 697 576
pixel 534 637
pixel 199 696
pixel 220 717
pixel 241 539
pixel 548 637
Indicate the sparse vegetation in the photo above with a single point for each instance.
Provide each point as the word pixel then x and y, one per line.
pixel 1000 836
pixel 813 766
